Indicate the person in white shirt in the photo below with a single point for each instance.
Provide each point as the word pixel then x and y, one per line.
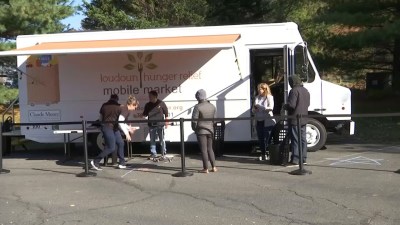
pixel 262 108
pixel 131 104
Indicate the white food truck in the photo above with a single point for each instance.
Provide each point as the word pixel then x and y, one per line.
pixel 67 76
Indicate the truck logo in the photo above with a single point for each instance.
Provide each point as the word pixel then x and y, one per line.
pixel 138 62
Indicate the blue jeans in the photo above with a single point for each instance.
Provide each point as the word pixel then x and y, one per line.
pixel 263 134
pixel 111 138
pixel 294 143
pixel 154 131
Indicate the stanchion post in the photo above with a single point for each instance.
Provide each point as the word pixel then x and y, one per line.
pixel 1 151
pixel 300 144
pixel 183 172
pixel 87 173
pixel 301 170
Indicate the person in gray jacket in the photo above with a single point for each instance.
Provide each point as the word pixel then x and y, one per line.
pixel 297 104
pixel 204 129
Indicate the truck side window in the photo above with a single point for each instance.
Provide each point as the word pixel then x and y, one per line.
pixel 302 65
pixel 311 74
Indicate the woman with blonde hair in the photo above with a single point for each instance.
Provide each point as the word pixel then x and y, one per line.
pixel 262 108
pixel 131 104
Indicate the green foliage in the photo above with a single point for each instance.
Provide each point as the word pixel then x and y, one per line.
pixel 7 94
pixel 117 15
pixel 18 17
pixel 32 17
pixel 224 12
pixel 106 15
pixel 361 13
pixel 9 60
pixel 361 35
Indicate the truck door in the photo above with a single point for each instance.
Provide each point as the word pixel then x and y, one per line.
pixel 267 66
pixel 274 66
pixel 296 61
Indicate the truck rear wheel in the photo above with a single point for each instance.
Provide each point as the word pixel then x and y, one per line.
pixel 97 143
pixel 316 135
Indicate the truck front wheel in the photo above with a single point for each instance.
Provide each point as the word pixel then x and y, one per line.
pixel 316 135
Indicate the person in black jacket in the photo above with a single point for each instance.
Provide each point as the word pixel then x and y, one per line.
pixel 298 103
pixel 109 114
pixel 156 109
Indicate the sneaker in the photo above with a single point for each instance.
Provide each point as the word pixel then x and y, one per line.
pixel 121 166
pixel 261 158
pixel 291 164
pixel 152 157
pixel 95 167
pixel 203 171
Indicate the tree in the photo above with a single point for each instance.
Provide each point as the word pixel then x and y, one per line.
pixel 225 12
pixel 107 15
pixel 363 35
pixel 32 17
pixel 18 17
pixel 303 13
pixel 117 14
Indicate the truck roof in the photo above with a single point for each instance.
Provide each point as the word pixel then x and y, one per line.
pixel 177 38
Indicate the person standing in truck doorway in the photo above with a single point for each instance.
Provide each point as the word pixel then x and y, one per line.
pixel 204 129
pixel 109 115
pixel 262 108
pixel 156 109
pixel 297 104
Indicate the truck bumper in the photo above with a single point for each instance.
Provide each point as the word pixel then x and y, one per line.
pixel 352 127
pixel 346 127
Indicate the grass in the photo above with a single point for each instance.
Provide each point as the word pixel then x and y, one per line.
pixel 376 129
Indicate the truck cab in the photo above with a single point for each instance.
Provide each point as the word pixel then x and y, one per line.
pixel 274 66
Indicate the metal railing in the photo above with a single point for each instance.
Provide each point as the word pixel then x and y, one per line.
pixel 10 107
pixel 181 121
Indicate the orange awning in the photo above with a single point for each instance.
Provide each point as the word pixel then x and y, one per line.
pixel 124 45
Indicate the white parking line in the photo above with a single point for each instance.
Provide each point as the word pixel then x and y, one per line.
pixel 285 167
pixel 133 169
pixel 328 159
pixel 355 160
pixel 360 153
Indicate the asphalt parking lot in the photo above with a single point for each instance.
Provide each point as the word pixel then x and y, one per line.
pixel 351 183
